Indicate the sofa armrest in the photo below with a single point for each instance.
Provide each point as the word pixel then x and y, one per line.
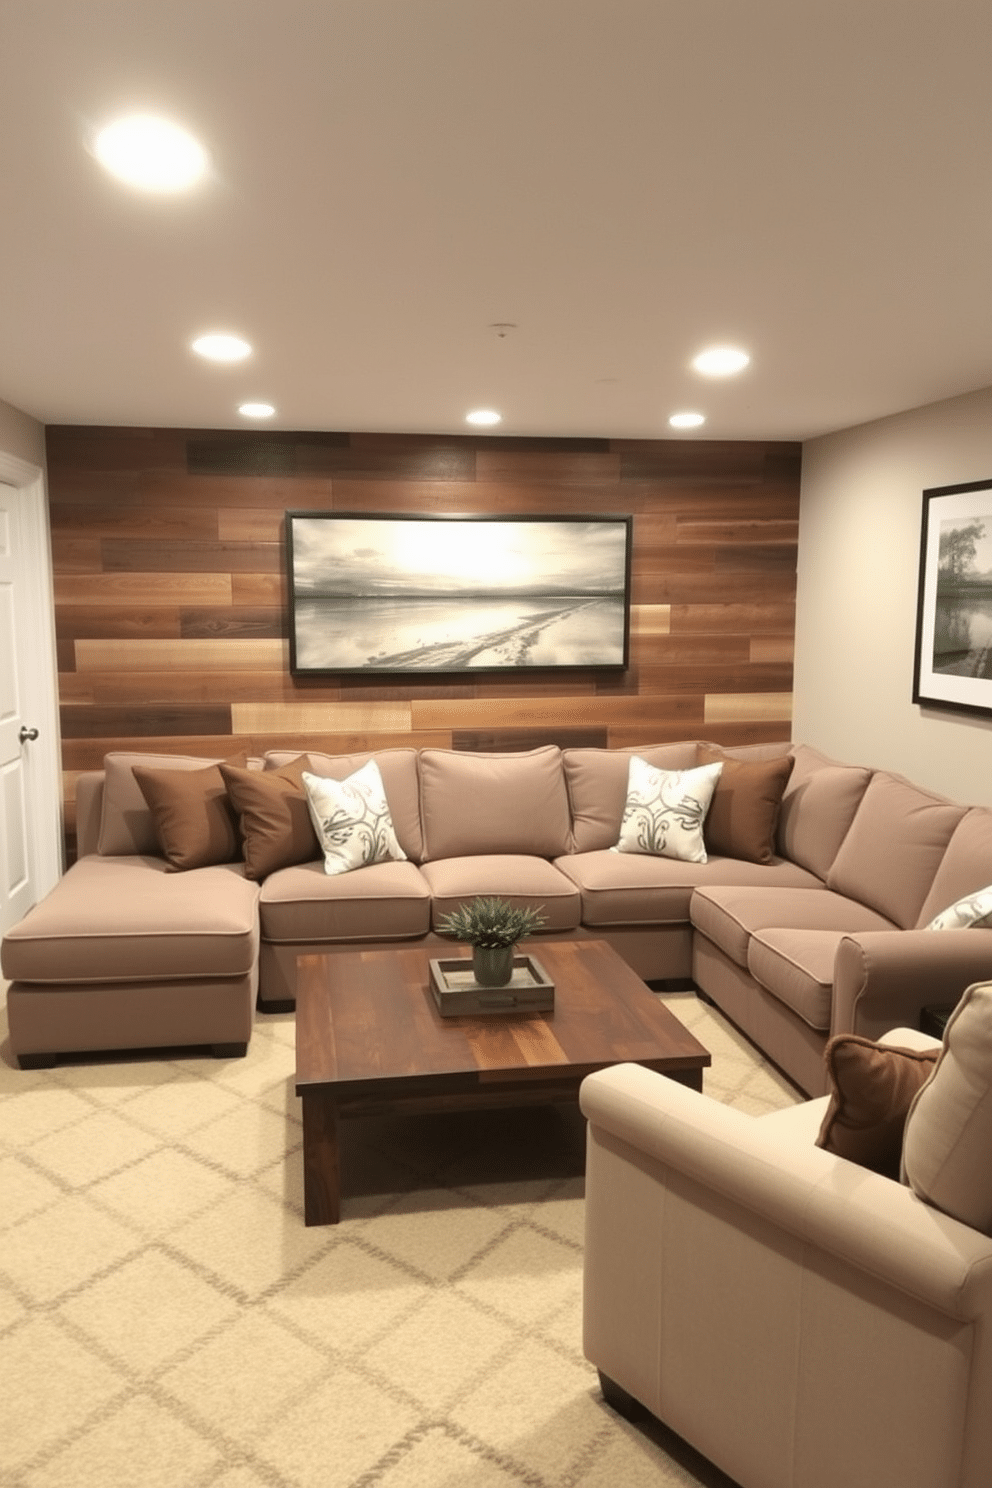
pixel 885 977
pixel 872 1223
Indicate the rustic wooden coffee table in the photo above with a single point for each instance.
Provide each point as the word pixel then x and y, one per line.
pixel 369 1039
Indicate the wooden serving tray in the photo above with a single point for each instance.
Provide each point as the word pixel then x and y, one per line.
pixel 457 993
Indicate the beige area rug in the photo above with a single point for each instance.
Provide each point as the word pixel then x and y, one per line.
pixel 167 1319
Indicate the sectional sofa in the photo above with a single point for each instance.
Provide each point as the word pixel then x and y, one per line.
pixel 808 916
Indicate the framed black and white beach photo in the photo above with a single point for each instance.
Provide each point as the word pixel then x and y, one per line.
pixel 454 594
pixel 954 609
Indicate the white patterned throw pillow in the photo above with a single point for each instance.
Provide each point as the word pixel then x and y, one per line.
pixel 351 818
pixel 666 809
pixel 974 911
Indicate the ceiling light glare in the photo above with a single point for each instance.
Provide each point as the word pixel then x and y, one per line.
pixel 220 347
pixel 256 410
pixel 687 420
pixel 721 361
pixel 151 154
pixel 484 417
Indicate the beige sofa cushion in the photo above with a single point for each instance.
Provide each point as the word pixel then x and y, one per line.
pixel 597 787
pixel 302 905
pixel 194 819
pixel 521 879
pixel 398 768
pixel 818 808
pixel 797 967
pixel 871 1089
pixel 634 889
pixel 948 1137
pixel 493 803
pixel 117 919
pixel 891 854
pixel 127 825
pixel 729 914
pixel 965 867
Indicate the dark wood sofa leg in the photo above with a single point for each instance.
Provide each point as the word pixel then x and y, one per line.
pixel 620 1400
pixel 229 1051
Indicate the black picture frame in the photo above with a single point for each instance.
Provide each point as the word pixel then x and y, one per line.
pixel 953 661
pixel 430 595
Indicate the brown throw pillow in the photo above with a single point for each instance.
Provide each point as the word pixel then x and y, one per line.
pixel 872 1087
pixel 744 811
pixel 195 824
pixel 276 829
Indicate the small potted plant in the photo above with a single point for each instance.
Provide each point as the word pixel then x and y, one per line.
pixel 492 927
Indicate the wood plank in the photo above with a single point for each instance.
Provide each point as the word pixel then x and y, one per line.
pixel 650 620
pixel 748 706
pixel 364 742
pixel 745 619
pixel 76 554
pixel 726 531
pixel 253 589
pixel 240 622
pixel 501 741
pixel 137 686
pixel 142 589
pixel 129 555
pixel 138 720
pixel 711 677
pixel 680 588
pixel 250 525
pixel 772 648
pixel 530 467
pixel 697 650
pixel 72 621
pixel 137 520
pixel 575 712
pixel 748 557
pixel 183 655
pixel 297 718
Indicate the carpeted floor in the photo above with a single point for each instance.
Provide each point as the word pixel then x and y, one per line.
pixel 167 1319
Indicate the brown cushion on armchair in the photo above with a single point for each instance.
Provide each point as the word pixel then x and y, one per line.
pixel 872 1088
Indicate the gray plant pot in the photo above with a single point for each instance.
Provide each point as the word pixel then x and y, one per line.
pixel 493 965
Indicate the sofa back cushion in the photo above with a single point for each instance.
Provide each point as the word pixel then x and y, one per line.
pixel 494 803
pixel 398 768
pixel 966 866
pixel 818 808
pixel 127 825
pixel 597 787
pixel 890 856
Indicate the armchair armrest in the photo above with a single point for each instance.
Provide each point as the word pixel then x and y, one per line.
pixel 884 977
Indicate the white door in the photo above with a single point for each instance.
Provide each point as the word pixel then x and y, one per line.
pixel 29 816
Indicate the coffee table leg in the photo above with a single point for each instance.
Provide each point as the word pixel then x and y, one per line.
pixel 321 1166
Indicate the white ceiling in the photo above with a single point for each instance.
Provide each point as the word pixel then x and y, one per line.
pixel 626 180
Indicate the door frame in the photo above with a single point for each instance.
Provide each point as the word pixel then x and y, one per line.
pixel 40 682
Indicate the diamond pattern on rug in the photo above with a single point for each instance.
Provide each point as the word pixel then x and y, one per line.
pixel 167 1318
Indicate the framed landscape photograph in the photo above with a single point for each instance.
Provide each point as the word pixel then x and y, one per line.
pixel 954 610
pixel 455 594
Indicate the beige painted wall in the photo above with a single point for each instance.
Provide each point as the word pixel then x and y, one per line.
pixel 859 537
pixel 21 436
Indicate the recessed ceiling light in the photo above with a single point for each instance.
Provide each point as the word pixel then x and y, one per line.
pixel 720 361
pixel 220 347
pixel 484 416
pixel 687 420
pixel 150 153
pixel 257 410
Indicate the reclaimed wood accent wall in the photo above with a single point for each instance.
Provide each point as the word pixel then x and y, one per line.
pixel 171 601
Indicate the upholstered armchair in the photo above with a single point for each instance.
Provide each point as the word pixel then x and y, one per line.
pixel 802 1321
